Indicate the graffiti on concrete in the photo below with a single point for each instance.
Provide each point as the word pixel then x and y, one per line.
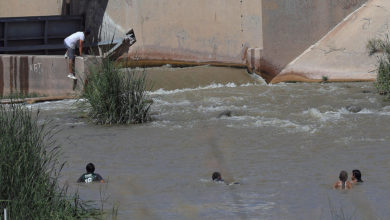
pixel 36 68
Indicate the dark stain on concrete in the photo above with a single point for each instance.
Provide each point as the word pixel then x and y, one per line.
pixel 24 75
pixel 11 74
pixel 268 70
pixel 1 77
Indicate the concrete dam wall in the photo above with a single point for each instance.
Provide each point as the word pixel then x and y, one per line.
pixel 342 55
pixel 262 35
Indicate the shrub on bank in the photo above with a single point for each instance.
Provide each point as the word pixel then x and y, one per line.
pixel 383 72
pixel 116 96
pixel 29 170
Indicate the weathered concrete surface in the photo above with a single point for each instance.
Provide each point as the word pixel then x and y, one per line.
pixel 200 31
pixel 21 8
pixel 168 31
pixel 83 66
pixel 342 55
pixel 291 26
pixel 42 75
pixel 263 35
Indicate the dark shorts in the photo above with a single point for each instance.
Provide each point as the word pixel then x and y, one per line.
pixel 69 51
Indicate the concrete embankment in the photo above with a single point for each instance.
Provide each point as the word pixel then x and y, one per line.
pixel 263 35
pixel 267 37
pixel 342 55
pixel 39 75
pixel 46 76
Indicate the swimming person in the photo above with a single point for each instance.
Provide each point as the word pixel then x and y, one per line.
pixel 356 176
pixel 343 183
pixel 217 177
pixel 90 176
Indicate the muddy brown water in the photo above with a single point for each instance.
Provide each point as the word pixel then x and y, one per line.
pixel 285 144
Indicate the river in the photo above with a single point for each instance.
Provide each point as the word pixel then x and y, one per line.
pixel 285 144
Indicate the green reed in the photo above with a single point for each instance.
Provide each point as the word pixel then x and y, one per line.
pixel 382 46
pixel 116 96
pixel 29 170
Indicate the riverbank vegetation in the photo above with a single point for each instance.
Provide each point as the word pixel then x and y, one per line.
pixel 116 96
pixel 29 170
pixel 381 47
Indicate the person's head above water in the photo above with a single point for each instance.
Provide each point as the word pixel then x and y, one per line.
pixel 343 176
pixel 90 168
pixel 356 174
pixel 216 176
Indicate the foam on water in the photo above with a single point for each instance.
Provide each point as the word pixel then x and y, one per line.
pixel 63 104
pixel 157 101
pixel 323 117
pixel 276 122
pixel 259 79
pixel 220 108
pixel 211 86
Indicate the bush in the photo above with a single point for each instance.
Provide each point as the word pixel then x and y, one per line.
pixel 116 96
pixel 383 72
pixel 29 170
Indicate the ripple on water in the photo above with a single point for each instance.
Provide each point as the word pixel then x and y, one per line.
pixel 246 121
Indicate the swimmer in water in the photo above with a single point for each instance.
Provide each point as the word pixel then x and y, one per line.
pixel 90 176
pixel 356 176
pixel 343 183
pixel 217 177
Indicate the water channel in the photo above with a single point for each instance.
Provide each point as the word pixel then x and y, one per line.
pixel 284 143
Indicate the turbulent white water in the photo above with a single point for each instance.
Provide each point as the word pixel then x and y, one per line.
pixel 285 144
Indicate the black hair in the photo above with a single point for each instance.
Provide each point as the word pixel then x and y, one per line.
pixel 90 168
pixel 216 176
pixel 87 32
pixel 358 175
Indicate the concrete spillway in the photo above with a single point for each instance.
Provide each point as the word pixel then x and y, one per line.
pixel 342 55
pixel 269 37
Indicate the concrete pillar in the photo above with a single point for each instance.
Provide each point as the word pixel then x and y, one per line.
pixel 253 56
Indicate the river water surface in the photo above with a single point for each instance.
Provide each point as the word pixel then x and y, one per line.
pixel 285 144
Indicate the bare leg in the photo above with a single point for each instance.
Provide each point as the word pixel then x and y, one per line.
pixel 70 66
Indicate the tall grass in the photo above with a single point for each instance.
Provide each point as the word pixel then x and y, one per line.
pixel 116 96
pixel 381 46
pixel 29 170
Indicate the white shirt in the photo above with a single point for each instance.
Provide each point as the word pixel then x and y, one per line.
pixel 72 40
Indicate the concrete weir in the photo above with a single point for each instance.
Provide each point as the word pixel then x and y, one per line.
pixel 268 37
pixel 40 75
